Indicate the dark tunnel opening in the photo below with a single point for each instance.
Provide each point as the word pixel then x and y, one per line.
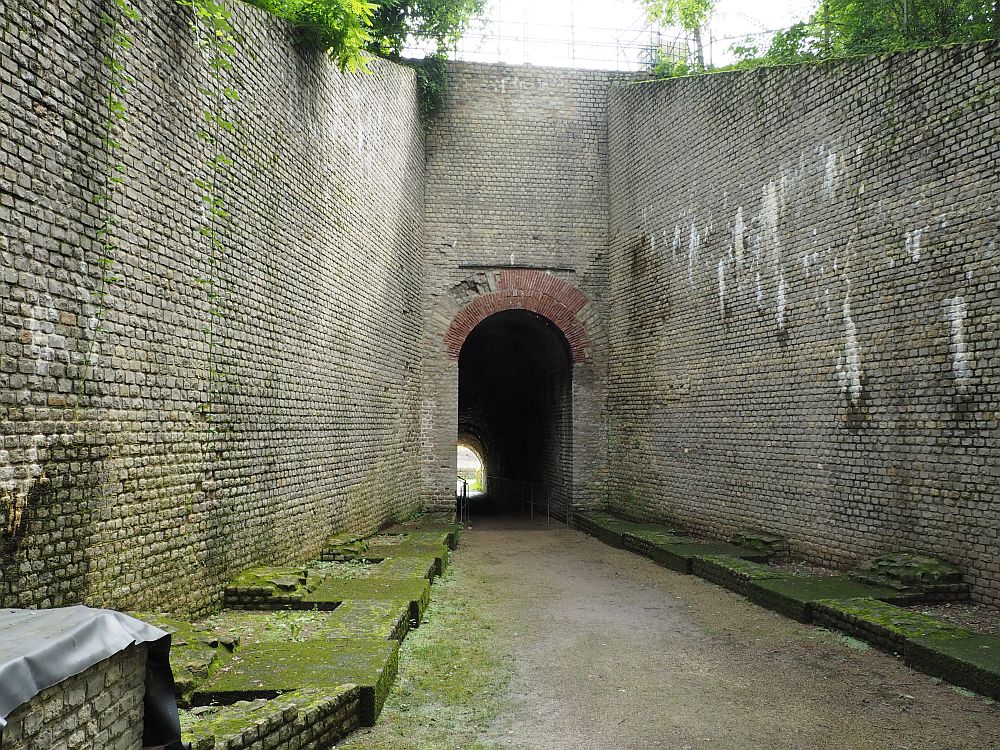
pixel 515 402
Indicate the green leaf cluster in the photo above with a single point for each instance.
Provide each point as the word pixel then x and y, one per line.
pixel 343 28
pixel 688 14
pixel 844 28
pixel 441 21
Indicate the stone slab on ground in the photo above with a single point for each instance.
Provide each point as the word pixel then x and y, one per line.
pixel 972 662
pixel 300 720
pixel 734 573
pixel 332 592
pixel 439 523
pixel 386 549
pixel 370 618
pixel 610 529
pixel 794 597
pixel 358 618
pixel 678 553
pixel 271 669
pixel 411 566
pixel 882 624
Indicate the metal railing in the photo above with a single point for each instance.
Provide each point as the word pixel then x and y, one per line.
pixel 462 501
pixel 531 496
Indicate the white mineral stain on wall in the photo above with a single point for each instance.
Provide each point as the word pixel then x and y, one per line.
pixel 781 302
pixel 849 367
pixel 739 239
pixel 694 244
pixel 770 215
pixel 722 286
pixel 830 176
pixel 677 239
pixel 913 240
pixel 760 292
pixel 961 363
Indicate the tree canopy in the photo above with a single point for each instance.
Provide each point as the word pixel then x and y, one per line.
pixel 348 29
pixel 690 15
pixel 440 21
pixel 840 28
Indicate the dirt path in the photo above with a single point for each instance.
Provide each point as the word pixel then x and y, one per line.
pixel 605 650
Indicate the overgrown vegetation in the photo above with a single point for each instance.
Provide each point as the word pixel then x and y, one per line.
pixel 343 28
pixel 452 678
pixel 440 22
pixel 835 29
pixel 351 30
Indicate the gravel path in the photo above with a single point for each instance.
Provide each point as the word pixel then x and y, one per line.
pixel 612 652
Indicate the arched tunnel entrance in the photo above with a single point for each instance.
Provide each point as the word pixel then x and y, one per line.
pixel 515 387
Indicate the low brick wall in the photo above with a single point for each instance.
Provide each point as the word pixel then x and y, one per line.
pixel 98 709
pixel 303 720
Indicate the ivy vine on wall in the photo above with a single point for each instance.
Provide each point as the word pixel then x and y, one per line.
pixel 119 20
pixel 217 39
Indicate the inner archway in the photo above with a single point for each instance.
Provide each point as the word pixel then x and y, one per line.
pixel 515 394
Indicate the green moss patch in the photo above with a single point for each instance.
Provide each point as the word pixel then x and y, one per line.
pixel 678 553
pixel 793 597
pixel 884 625
pixel 283 626
pixel 416 566
pixel 269 588
pixel 396 547
pixel 772 545
pixel 419 537
pixel 610 529
pixel 734 573
pixel 320 571
pixel 332 592
pixel 196 652
pixel 972 662
pixel 269 670
pixel 916 574
pixel 442 525
pixel 343 548
pixel 370 618
pixel 297 714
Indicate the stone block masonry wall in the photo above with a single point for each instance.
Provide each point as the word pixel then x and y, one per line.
pixel 98 709
pixel 804 319
pixel 203 444
pixel 516 176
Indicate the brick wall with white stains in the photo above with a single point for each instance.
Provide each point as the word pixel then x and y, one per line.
pixel 804 305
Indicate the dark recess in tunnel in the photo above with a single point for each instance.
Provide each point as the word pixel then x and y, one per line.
pixel 515 401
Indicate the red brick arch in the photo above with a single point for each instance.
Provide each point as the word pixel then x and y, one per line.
pixel 522 289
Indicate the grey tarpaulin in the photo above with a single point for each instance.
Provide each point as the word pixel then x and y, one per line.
pixel 41 648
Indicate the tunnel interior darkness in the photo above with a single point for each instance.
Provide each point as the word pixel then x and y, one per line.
pixel 515 401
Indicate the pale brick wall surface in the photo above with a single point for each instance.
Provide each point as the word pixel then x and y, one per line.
pixel 804 294
pixel 320 287
pixel 98 709
pixel 516 175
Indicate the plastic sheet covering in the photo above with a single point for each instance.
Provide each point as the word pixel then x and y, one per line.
pixel 41 648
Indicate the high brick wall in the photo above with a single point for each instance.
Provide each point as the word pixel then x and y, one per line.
pixel 99 709
pixel 804 320
pixel 516 176
pixel 153 492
